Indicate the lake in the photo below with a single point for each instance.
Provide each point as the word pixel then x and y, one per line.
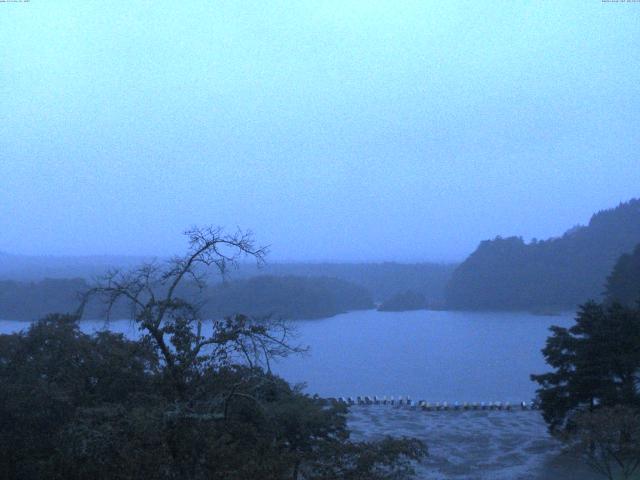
pixel 437 356
pixel 433 355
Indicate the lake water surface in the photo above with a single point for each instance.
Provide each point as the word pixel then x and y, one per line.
pixel 432 355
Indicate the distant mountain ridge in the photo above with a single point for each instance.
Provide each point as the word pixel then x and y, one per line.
pixel 382 279
pixel 558 273
pixel 39 267
pixel 286 297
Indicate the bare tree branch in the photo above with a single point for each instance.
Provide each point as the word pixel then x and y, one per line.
pixel 152 291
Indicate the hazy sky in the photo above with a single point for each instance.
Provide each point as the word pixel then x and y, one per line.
pixel 338 130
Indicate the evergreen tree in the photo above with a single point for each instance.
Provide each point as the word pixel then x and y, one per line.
pixel 596 363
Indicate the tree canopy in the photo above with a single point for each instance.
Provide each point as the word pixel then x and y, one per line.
pixel 191 399
pixel 291 297
pixel 596 363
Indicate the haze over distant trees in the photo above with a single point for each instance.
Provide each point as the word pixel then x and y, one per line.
pixel 404 301
pixel 34 268
pixel 31 287
pixel 286 297
pixel 558 273
pixel 282 297
pixel 501 274
pixel 34 300
pixel 382 280
pixel 182 402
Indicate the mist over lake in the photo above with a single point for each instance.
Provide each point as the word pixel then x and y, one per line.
pixel 234 234
pixel 432 355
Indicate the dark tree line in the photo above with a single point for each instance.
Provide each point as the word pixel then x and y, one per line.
pixel 382 280
pixel 559 273
pixel 33 300
pixel 591 398
pixel 179 403
pixel 286 297
pixel 404 301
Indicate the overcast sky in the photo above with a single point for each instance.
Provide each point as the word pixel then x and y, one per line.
pixel 338 130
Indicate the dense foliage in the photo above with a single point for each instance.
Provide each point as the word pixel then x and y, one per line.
pixel 382 280
pixel 33 300
pixel 34 268
pixel 192 399
pixel 591 400
pixel 74 406
pixel 596 363
pixel 507 273
pixel 608 439
pixel 623 285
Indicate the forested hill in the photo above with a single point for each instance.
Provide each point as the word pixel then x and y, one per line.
pixel 282 297
pixel 287 297
pixel 382 280
pixel 35 268
pixel 507 273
